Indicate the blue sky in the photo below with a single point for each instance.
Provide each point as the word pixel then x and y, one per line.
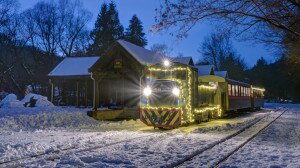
pixel 145 10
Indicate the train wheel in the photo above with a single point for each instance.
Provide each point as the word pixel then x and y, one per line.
pixel 164 128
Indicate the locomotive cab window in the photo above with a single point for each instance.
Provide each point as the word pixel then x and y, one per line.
pixel 180 75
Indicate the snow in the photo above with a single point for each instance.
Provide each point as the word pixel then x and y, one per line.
pixel 204 70
pixel 144 56
pixel 11 101
pixel 67 137
pixel 74 66
pixel 222 74
pixel 42 101
pixel 278 146
pixel 184 60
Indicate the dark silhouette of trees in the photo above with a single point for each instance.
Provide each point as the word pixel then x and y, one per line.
pixel 31 40
pixel 161 49
pixel 235 66
pixel 134 33
pixel 72 30
pixel 269 21
pixel 217 50
pixel 56 26
pixel 107 29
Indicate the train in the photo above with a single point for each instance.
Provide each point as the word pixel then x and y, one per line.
pixel 176 94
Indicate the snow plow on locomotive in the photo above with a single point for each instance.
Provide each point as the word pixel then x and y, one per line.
pixel 174 94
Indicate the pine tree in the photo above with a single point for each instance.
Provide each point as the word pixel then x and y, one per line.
pixel 134 33
pixel 107 29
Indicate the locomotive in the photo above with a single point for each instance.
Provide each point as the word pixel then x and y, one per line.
pixel 175 94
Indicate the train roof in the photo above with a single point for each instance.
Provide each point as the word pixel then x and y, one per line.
pixel 235 82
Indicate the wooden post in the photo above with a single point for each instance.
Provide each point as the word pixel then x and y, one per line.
pixel 52 90
pixel 77 93
pixel 96 94
pixel 86 93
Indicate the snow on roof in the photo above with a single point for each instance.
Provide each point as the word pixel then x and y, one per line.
pixel 222 74
pixel 144 56
pixel 74 66
pixel 204 70
pixel 184 60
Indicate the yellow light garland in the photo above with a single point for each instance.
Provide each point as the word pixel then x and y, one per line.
pixel 259 89
pixel 208 87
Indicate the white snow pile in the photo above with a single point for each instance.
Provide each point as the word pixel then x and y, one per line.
pixel 11 101
pixel 45 117
pixel 42 101
pixel 57 117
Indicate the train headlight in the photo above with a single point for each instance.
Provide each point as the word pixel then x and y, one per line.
pixel 166 63
pixel 176 91
pixel 147 91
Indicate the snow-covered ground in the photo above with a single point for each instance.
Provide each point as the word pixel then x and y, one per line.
pixel 67 137
pixel 278 146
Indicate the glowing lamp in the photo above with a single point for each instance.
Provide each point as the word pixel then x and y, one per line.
pixel 147 91
pixel 167 63
pixel 175 91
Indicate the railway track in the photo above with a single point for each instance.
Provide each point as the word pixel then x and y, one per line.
pixel 54 155
pixel 248 140
pixel 223 141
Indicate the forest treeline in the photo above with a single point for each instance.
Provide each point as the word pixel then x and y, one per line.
pixel 280 78
pixel 34 41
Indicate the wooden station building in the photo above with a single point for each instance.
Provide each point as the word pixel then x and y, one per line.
pixel 112 80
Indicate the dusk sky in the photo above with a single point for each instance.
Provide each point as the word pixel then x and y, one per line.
pixel 145 10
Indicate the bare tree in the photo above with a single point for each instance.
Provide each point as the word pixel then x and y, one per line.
pixel 7 8
pixel 215 48
pixel 266 20
pixel 73 19
pixel 44 32
pixel 56 26
pixel 161 48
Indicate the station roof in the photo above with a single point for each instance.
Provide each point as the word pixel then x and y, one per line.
pixel 204 70
pixel 74 66
pixel 184 60
pixel 142 55
pixel 148 57
pixel 80 66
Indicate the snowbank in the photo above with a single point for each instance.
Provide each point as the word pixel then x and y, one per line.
pixel 57 117
pixel 42 101
pixel 11 101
